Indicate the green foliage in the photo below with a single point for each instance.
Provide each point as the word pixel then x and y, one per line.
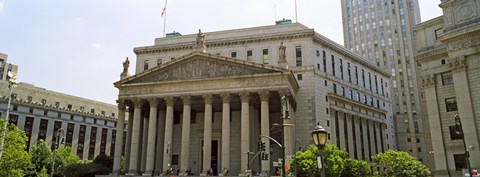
pixel 42 173
pixel 356 168
pixel 101 165
pixel 42 157
pixel 15 159
pixel 399 164
pixel 335 161
pixel 66 156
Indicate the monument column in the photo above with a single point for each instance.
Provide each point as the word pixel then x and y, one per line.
pixel 351 142
pixel 170 101
pixel 152 126
pixel 160 141
pixel 128 144
pixel 341 130
pixel 185 150
pixel 265 126
pixel 226 130
pixel 207 135
pixel 371 128
pixel 357 122
pixel 244 131
pixel 366 150
pixel 137 103
pixel 119 137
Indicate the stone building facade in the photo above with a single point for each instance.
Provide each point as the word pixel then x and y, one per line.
pixel 381 31
pixel 448 52
pixel 202 101
pixel 89 125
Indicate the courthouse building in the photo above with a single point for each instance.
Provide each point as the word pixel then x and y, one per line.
pixel 449 55
pixel 201 101
pixel 89 126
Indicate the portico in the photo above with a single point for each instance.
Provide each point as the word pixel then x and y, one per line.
pixel 201 112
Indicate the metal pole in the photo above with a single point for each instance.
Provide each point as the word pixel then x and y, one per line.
pixel 322 171
pixel 10 87
pixel 467 154
pixel 55 146
pixel 296 18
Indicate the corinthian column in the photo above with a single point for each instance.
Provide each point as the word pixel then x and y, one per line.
pixel 135 137
pixel 119 137
pixel 185 151
pixel 264 126
pixel 207 135
pixel 170 101
pixel 244 130
pixel 151 136
pixel 226 130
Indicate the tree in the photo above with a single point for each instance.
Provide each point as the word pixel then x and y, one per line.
pixel 42 157
pixel 101 165
pixel 335 161
pixel 63 158
pixel 399 164
pixel 15 159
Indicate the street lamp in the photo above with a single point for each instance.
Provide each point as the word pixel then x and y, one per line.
pixel 59 140
pixel 459 131
pixel 319 136
pixel 12 79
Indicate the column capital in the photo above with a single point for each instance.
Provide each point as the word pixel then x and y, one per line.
pixel 170 100
pixel 186 99
pixel 428 81
pixel 284 92
pixel 225 97
pixel 207 98
pixel 457 63
pixel 121 104
pixel 137 102
pixel 153 102
pixel 244 96
pixel 264 95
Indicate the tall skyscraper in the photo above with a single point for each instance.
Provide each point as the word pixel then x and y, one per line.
pixel 381 31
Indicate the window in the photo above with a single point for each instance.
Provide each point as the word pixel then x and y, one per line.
pixel 145 65
pixel 324 61
pixel 298 55
pixel 299 77
pixel 249 55
pixel 447 78
pixel 335 88
pixel 233 54
pixel 460 162
pixel 437 32
pixel 265 56
pixel 159 61
pixel 92 111
pixel 451 104
pixel 453 133
pixel 333 65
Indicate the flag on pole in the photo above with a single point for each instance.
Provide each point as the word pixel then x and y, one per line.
pixel 164 11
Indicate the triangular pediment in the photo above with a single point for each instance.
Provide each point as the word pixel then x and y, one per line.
pixel 197 66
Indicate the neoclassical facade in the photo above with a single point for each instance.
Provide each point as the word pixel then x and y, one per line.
pixel 202 101
pixel 450 65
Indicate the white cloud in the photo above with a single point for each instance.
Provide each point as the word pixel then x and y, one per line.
pixel 97 45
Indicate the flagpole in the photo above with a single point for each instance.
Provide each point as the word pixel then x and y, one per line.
pixel 165 19
pixel 296 18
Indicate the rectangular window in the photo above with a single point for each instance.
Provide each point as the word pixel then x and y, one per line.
pixel 437 33
pixel 324 61
pixel 69 136
pixel 159 61
pixel 451 104
pixel 93 140
pixel 299 77
pixel 335 88
pixel 333 65
pixel 233 54
pixel 265 56
pixel 145 65
pixel 453 133
pixel 298 55
pixel 43 129
pixel 447 78
pixel 249 55
pixel 341 69
pixel 81 141
pixel 460 162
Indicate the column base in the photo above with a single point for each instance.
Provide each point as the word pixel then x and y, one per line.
pixel 130 174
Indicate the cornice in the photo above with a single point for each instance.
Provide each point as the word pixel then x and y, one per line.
pixel 364 106
pixel 427 55
pixel 460 34
pixel 226 42
pixel 59 109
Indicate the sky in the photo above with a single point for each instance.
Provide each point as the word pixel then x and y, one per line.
pixel 77 47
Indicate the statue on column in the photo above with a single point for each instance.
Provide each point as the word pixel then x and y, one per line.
pixel 125 73
pixel 282 57
pixel 201 41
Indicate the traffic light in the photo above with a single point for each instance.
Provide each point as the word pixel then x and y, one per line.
pixel 265 156
pixel 261 146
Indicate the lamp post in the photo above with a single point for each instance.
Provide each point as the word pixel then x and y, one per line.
pixel 11 78
pixel 59 140
pixel 319 136
pixel 297 141
pixel 459 131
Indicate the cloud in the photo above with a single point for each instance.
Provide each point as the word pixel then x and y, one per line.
pixel 97 46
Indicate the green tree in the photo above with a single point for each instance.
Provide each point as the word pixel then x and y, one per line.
pixel 15 159
pixel 356 168
pixel 399 164
pixel 42 157
pixel 306 162
pixel 333 160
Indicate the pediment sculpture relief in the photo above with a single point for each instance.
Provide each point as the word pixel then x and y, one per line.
pixel 198 69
